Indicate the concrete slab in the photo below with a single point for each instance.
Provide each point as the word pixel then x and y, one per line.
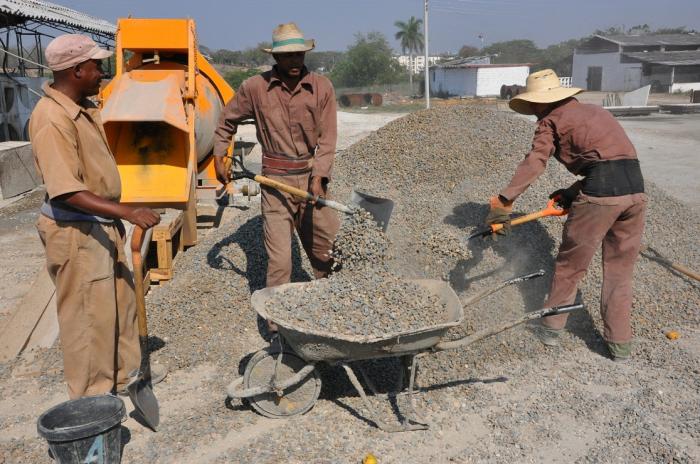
pixel 17 172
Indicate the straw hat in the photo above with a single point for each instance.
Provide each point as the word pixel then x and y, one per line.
pixel 287 38
pixel 542 87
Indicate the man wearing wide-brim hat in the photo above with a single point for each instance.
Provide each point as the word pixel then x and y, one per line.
pixel 606 206
pixel 295 117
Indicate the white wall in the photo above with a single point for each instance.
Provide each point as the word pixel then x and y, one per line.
pixel 490 80
pixel 455 81
pixel 479 82
pixel 685 87
pixel 614 73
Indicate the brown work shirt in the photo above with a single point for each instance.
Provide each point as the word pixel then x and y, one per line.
pixel 70 147
pixel 577 135
pixel 294 122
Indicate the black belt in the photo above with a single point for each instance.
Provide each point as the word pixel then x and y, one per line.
pixel 613 178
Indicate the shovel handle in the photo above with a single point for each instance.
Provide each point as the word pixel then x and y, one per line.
pixel 137 239
pixel 550 210
pixel 301 193
pixel 650 253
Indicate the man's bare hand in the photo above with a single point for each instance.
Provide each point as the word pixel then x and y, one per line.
pixel 222 174
pixel 145 218
pixel 316 189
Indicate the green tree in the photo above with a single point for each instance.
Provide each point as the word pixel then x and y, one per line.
pixel 255 56
pixel 411 39
pixel 236 78
pixel 368 61
pixel 559 57
pixel 514 51
pixel 467 51
pixel 322 61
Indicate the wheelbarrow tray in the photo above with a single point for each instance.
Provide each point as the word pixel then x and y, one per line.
pixel 318 345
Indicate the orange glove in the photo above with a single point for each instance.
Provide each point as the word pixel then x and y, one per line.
pixel 500 213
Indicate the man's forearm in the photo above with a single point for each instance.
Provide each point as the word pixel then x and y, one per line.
pixel 93 204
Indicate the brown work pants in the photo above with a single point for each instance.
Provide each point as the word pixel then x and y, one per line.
pixel 618 223
pixel 95 302
pixel 316 226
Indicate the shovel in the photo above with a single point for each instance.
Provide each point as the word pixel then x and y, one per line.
pixel 551 210
pixel 140 388
pixel 379 208
pixel 650 253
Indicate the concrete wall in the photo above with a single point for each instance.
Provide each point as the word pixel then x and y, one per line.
pixel 479 82
pixel 455 81
pixel 490 80
pixel 17 171
pixel 617 77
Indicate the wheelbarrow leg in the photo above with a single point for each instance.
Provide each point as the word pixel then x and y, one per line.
pixel 405 427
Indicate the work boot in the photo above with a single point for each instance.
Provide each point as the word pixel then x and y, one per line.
pixel 547 335
pixel 620 352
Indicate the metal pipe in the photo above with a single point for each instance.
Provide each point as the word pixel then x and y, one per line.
pixel 427 64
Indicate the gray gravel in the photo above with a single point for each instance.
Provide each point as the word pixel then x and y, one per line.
pixel 506 399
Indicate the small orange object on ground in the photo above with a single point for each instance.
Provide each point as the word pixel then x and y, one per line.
pixel 672 335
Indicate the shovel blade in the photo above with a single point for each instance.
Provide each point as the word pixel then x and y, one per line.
pixel 379 208
pixel 144 401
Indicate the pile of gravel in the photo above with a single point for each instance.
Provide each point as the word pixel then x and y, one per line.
pixel 361 297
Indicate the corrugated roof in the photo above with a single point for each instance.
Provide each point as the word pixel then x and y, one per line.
pixel 39 10
pixel 476 62
pixel 661 39
pixel 682 58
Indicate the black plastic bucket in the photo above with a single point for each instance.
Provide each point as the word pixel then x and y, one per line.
pixel 85 430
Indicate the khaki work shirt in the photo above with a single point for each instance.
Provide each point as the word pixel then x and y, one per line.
pixel 70 147
pixel 577 135
pixel 293 122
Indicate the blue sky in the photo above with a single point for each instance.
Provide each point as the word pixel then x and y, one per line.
pixel 238 24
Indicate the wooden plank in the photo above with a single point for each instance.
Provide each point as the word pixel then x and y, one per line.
pixel 46 331
pixel 14 336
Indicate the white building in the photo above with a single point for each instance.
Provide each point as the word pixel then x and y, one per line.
pixel 475 76
pixel 667 62
pixel 417 65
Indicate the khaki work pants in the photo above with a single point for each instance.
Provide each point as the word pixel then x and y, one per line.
pixel 95 301
pixel 619 227
pixel 316 226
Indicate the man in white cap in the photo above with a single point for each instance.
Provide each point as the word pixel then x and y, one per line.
pixel 607 206
pixel 295 116
pixel 80 223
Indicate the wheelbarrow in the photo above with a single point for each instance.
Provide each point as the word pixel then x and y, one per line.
pixel 282 381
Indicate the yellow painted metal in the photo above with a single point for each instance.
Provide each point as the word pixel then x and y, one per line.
pixel 160 111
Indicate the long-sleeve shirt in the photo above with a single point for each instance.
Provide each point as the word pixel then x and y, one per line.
pixel 577 135
pixel 292 122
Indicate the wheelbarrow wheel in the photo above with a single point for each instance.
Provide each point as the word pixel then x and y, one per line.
pixel 296 399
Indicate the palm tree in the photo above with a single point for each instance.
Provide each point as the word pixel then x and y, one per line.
pixel 411 38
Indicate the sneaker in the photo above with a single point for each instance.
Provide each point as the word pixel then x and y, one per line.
pixel 547 335
pixel 620 352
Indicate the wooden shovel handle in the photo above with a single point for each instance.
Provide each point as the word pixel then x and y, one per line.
pixel 136 243
pixel 283 187
pixel 656 256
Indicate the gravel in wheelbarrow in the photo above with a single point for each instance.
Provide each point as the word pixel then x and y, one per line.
pixel 388 335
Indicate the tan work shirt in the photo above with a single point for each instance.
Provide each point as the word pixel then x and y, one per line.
pixel 577 135
pixel 70 147
pixel 293 122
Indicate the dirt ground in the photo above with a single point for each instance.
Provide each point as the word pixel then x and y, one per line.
pixel 489 415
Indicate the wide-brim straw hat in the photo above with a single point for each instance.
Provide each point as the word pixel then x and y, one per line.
pixel 288 38
pixel 541 87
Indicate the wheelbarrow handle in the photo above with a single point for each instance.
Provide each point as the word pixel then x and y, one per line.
pixel 489 291
pixel 550 210
pixel 485 333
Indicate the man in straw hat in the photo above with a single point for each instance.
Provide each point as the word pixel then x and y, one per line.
pixel 80 223
pixel 606 206
pixel 295 117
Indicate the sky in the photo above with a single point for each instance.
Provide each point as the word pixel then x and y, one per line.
pixel 239 24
